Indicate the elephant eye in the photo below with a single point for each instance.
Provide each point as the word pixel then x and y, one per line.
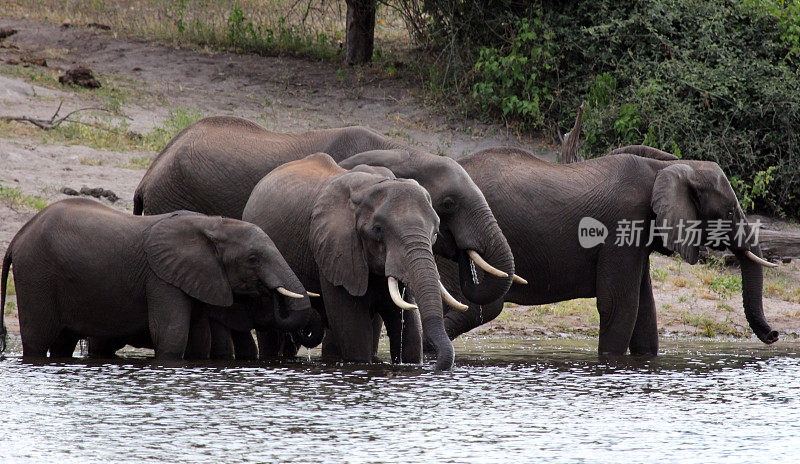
pixel 252 259
pixel 448 204
pixel 377 230
pixel 730 213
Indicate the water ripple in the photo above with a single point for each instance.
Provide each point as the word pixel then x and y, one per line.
pixel 506 401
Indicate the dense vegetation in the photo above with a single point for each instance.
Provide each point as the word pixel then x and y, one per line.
pixel 715 80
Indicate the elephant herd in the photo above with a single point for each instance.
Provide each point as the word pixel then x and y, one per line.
pixel 327 236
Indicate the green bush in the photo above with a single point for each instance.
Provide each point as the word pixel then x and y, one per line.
pixel 715 80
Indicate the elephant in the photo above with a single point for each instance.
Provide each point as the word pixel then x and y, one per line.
pixel 82 269
pixel 213 165
pixel 354 236
pixel 542 208
pixel 228 334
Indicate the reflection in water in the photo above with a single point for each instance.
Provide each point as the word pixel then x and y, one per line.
pixel 506 401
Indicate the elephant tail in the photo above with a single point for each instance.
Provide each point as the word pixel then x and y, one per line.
pixel 3 288
pixel 138 203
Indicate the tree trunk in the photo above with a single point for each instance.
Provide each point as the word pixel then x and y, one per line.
pixel 569 143
pixel 360 33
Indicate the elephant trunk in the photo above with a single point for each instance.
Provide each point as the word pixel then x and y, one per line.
pixel 291 314
pixel 752 282
pixel 423 281
pixel 311 335
pixel 752 285
pixel 478 286
pixel 287 317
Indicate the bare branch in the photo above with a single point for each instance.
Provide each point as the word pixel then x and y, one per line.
pixel 52 123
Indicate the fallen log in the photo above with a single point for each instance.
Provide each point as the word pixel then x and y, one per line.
pixel 780 244
pixel 776 246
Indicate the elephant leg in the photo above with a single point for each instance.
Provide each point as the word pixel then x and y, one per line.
pixel 330 346
pixel 412 337
pixel 222 346
pixel 270 342
pixel 644 340
pixel 103 348
pixel 404 329
pixel 38 320
pixel 618 281
pixel 244 346
pixel 353 333
pixel 64 345
pixel 169 313
pixel 199 344
pixel 377 327
pixel 350 323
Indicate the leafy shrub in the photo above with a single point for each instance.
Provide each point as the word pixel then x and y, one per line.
pixel 716 80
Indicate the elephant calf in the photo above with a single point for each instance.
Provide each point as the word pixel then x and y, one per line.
pixel 82 269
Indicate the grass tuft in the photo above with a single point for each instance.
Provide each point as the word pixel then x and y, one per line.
pixel 15 199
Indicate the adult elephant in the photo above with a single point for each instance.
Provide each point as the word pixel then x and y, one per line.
pixel 82 269
pixel 349 233
pixel 213 165
pixel 542 208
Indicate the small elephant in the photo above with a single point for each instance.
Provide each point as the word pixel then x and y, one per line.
pixel 213 165
pixel 82 269
pixel 542 208
pixel 231 335
pixel 354 236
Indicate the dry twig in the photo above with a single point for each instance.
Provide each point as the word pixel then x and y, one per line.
pixel 54 121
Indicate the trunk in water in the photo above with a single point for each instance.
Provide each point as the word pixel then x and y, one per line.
pixel 752 284
pixel 360 31
pixel 423 281
pixel 288 316
pixel 497 253
pixel 311 335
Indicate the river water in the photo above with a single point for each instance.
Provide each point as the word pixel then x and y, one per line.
pixel 508 400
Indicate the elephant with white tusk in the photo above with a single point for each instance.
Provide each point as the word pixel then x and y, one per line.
pixel 354 236
pixel 212 166
pixel 82 269
pixel 544 208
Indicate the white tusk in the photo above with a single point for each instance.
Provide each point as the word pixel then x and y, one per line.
pixel 484 265
pixel 288 293
pixel 449 299
pixel 394 292
pixel 312 294
pixel 760 261
pixel 520 280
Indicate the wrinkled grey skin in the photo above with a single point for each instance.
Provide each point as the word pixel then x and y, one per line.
pixel 344 232
pixel 82 269
pixel 539 206
pixel 212 166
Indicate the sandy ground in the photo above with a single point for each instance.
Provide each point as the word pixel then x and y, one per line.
pixel 289 94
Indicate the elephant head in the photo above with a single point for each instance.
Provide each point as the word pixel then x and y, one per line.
pixel 699 192
pixel 363 224
pixel 469 234
pixel 212 259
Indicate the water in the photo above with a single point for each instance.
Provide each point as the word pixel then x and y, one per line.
pixel 506 401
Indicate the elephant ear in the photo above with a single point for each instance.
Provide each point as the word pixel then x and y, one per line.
pixel 334 237
pixel 674 203
pixel 181 251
